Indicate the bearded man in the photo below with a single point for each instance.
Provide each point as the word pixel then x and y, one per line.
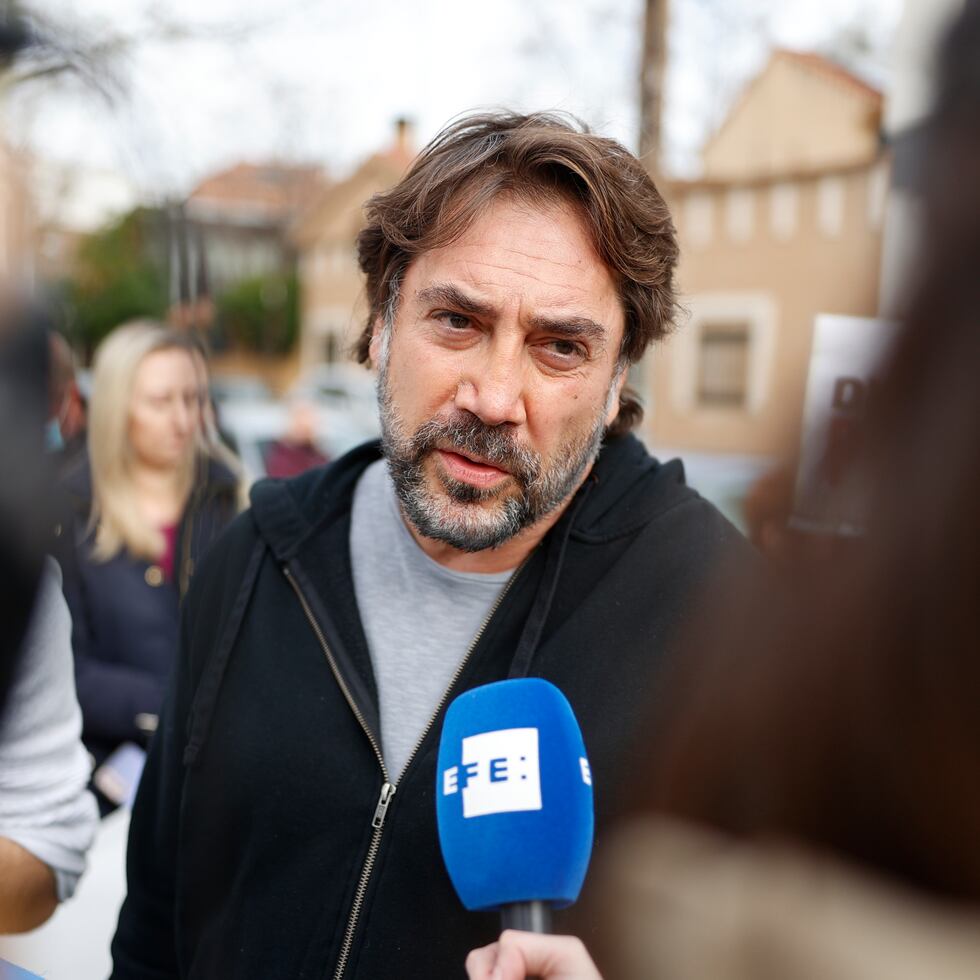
pixel 507 525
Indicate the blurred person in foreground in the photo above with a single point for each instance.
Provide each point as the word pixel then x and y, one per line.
pixel 828 732
pixel 47 818
pixel 25 506
pixel 297 451
pixel 508 524
pixel 149 498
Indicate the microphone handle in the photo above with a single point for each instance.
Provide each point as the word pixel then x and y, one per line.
pixel 526 916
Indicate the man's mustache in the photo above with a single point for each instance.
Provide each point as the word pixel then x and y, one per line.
pixel 468 435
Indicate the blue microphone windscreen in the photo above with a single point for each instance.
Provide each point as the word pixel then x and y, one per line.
pixel 514 796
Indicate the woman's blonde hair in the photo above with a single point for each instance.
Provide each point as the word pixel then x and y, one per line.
pixel 116 515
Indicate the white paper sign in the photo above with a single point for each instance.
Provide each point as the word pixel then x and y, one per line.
pixel 847 356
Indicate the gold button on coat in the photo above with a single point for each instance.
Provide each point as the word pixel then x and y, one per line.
pixel 154 575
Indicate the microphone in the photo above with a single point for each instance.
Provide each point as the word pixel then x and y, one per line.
pixel 514 801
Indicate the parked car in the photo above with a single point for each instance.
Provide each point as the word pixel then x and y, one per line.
pixel 256 425
pixel 343 387
pixel 238 388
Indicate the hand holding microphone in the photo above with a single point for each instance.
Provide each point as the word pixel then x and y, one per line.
pixel 518 955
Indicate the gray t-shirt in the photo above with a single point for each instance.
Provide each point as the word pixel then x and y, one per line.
pixel 419 617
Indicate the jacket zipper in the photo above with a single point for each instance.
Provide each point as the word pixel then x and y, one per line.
pixel 388 788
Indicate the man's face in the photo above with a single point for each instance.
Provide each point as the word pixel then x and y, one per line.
pixel 499 375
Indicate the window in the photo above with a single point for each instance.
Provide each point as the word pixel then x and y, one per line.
pixel 830 205
pixel 723 364
pixel 726 357
pixel 699 220
pixel 783 210
pixel 739 214
pixel 877 195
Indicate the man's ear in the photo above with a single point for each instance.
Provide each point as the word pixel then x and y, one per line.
pixel 615 392
pixel 374 348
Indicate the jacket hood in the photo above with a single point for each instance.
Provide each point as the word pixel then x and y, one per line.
pixel 630 488
pixel 626 489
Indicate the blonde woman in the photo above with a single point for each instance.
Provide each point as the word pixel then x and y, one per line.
pixel 150 497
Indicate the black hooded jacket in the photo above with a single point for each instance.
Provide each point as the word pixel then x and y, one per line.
pixel 266 841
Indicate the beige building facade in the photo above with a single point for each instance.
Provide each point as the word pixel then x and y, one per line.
pixel 332 300
pixel 787 223
pixel 17 222
pixel 801 113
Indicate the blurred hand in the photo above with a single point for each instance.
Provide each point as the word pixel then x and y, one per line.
pixel 517 955
pixel 28 892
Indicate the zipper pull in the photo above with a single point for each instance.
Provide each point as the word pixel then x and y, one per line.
pixel 387 792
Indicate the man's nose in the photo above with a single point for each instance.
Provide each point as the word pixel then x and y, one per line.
pixel 492 388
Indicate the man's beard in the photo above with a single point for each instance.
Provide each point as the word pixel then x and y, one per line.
pixel 457 515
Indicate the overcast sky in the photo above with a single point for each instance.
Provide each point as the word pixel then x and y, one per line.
pixel 322 82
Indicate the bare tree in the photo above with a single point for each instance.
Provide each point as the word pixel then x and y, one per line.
pixel 35 46
pixel 38 48
pixel 653 70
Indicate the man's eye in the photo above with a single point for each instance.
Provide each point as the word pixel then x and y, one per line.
pixel 563 353
pixel 564 347
pixel 457 321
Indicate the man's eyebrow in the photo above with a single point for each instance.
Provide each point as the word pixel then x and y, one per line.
pixel 448 294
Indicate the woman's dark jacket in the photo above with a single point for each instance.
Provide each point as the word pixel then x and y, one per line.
pixel 258 848
pixel 125 614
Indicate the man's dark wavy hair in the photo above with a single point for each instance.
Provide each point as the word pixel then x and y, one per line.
pixel 541 158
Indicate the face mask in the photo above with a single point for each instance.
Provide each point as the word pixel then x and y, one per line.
pixel 53 440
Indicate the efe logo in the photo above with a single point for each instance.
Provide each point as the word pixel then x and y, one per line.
pixel 500 773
